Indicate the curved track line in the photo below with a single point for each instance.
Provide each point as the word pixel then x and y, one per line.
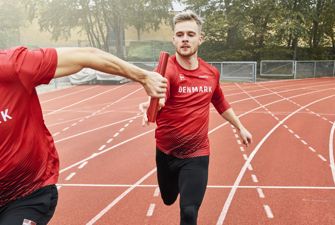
pixel 95 129
pixel 81 101
pixel 75 92
pixel 252 155
pixel 331 151
pixel 106 150
pixel 107 208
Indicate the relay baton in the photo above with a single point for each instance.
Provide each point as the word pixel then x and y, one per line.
pixel 154 102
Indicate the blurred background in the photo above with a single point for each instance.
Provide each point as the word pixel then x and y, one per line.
pixel 298 34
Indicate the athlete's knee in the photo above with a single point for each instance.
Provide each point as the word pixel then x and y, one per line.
pixel 188 215
pixel 169 200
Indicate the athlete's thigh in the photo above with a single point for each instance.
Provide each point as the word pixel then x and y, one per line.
pixel 36 208
pixel 167 178
pixel 193 179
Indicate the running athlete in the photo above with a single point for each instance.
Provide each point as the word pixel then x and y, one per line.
pixel 182 153
pixel 29 162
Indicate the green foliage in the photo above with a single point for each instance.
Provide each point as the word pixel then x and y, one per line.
pixel 11 19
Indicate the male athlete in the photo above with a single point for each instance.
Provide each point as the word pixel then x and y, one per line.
pixel 28 159
pixel 182 153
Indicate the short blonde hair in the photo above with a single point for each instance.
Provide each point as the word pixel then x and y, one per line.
pixel 188 15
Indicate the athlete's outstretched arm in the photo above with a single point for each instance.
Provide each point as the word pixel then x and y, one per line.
pixel 231 117
pixel 72 60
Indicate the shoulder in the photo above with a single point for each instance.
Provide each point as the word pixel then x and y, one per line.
pixel 209 67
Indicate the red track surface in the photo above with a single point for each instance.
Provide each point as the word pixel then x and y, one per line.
pixel 287 176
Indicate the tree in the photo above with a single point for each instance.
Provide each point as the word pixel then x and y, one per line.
pixel 103 21
pixel 11 19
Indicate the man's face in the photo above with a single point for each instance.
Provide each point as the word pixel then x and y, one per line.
pixel 187 38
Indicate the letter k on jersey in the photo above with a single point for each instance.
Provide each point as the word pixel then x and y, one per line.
pixel 5 116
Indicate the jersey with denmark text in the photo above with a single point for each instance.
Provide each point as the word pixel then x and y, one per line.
pixel 182 124
pixel 28 158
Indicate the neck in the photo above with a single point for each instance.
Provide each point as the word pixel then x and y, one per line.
pixel 188 62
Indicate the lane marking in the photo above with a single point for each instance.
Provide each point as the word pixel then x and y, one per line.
pixel 104 151
pixel 59 97
pixel 312 149
pixel 92 130
pixel 81 101
pixel 322 158
pixel 331 151
pixel 82 165
pixel 70 176
pixel 156 193
pixel 268 212
pixel 208 186
pixel 252 155
pixel 260 192
pixel 102 147
pixel 254 178
pixel 151 210
pixel 119 198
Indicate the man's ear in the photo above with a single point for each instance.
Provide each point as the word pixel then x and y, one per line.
pixel 202 37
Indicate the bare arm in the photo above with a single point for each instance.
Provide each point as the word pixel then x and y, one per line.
pixel 231 117
pixel 72 60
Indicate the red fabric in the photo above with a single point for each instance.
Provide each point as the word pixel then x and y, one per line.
pixel 28 158
pixel 182 124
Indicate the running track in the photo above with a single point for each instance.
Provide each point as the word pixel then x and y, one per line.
pixel 287 176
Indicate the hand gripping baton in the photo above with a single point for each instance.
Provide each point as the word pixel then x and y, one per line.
pixel 154 102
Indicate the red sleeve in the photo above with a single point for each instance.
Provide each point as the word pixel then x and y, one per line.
pixel 218 99
pixel 34 67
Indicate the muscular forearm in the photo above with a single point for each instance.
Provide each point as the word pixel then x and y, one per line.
pixel 72 60
pixel 231 117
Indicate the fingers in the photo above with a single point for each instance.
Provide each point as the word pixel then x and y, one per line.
pixel 155 85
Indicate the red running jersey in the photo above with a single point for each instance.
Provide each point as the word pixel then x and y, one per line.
pixel 28 158
pixel 182 124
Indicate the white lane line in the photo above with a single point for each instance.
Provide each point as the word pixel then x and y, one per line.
pixel 208 186
pixel 291 131
pixel 66 128
pixel 304 142
pixel 116 134
pixel 122 129
pixel 81 101
pixel 239 142
pixel 70 176
pixel 268 212
pixel 252 155
pixel 102 147
pixel 110 140
pixel 92 130
pixel 74 124
pixel 260 192
pixel 297 136
pixel 245 157
pixel 286 126
pixel 242 149
pixel 322 158
pixel 312 149
pixel 104 151
pixel 156 193
pixel 72 93
pixel 119 198
pixel 55 134
pixel 236 136
pixel 126 125
pixel 151 210
pixel 250 167
pixel 82 165
pixel 331 151
pixel 254 178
